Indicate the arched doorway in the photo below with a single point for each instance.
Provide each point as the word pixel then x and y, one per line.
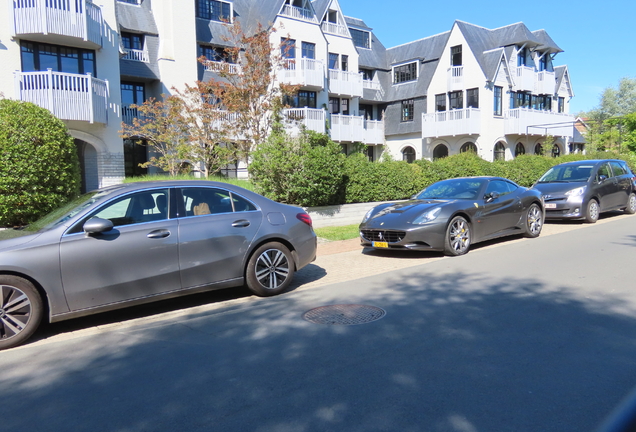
pixel 87 155
pixel 440 151
pixel 468 147
pixel 499 152
pixel 408 154
pixel 538 149
pixel 556 150
pixel 519 150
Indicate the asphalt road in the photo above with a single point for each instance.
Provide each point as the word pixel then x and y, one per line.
pixel 521 335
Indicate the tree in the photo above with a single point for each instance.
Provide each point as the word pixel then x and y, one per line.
pixel 252 93
pixel 163 125
pixel 616 102
pixel 40 168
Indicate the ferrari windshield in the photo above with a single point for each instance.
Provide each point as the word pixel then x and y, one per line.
pixel 567 174
pixel 464 188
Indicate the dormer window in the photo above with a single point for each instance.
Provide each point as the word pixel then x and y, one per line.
pixel 214 10
pixel 361 39
pixel 456 55
pixel 404 73
pixel 521 57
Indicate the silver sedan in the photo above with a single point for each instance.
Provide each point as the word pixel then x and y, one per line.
pixel 141 242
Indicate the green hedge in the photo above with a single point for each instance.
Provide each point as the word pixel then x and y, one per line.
pixel 39 169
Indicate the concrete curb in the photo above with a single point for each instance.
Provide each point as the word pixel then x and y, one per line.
pixel 340 215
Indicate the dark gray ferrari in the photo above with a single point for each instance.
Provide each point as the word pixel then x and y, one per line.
pixel 452 214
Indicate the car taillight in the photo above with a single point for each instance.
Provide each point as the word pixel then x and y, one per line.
pixel 304 217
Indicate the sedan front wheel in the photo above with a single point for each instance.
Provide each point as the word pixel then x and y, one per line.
pixel 457 237
pixel 20 311
pixel 270 270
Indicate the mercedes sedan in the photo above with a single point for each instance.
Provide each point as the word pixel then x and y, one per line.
pixel 450 215
pixel 140 242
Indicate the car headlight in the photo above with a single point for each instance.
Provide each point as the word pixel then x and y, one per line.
pixel 576 192
pixel 367 216
pixel 427 216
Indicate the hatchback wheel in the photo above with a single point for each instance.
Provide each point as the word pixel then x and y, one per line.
pixel 457 237
pixel 592 211
pixel 631 204
pixel 269 270
pixel 534 221
pixel 20 310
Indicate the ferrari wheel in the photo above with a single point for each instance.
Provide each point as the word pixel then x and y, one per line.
pixel 534 221
pixel 457 237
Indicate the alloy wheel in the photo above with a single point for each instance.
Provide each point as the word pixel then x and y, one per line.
pixel 459 236
pixel 272 268
pixel 535 220
pixel 15 311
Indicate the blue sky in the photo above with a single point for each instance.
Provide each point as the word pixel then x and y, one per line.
pixel 597 37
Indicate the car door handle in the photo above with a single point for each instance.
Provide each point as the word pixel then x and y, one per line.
pixel 241 223
pixel 162 233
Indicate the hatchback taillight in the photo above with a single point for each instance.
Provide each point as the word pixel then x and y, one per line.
pixel 304 217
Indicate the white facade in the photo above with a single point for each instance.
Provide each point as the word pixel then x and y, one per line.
pixel 145 49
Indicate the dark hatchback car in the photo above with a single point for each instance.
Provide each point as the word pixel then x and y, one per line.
pixel 140 242
pixel 585 189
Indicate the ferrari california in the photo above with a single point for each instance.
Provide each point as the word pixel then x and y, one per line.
pixel 452 214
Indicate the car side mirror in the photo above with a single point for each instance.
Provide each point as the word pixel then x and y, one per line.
pixel 491 196
pixel 602 178
pixel 97 225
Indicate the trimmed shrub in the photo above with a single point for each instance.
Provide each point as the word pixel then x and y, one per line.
pixel 39 169
pixel 306 171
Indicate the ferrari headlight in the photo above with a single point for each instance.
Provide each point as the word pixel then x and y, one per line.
pixel 367 216
pixel 427 216
pixel 576 192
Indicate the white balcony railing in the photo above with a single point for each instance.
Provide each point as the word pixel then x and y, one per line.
pixel 373 132
pixel 524 78
pixel 347 128
pixel 546 83
pixel 345 83
pixel 74 18
pixel 334 28
pixel 455 78
pixel 304 72
pixel 311 118
pixel 371 85
pixel 299 13
pixel 525 121
pixel 451 123
pixel 230 68
pixel 136 55
pixel 67 96
pixel 128 114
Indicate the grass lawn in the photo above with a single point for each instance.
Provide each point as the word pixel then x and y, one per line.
pixel 338 232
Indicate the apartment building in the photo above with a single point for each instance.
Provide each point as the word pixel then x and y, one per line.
pixel 496 92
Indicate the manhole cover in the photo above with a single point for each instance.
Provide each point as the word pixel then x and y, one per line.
pixel 344 314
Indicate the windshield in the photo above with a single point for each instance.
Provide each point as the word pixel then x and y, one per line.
pixel 567 174
pixel 453 189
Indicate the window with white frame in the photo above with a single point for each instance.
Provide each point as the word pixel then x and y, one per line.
pixel 214 10
pixel 456 100
pixel 472 98
pixel 308 50
pixel 288 48
pixel 498 101
pixel 405 73
pixel 561 105
pixel 361 39
pixel 440 102
pixel 456 55
pixel 333 60
pixel 408 107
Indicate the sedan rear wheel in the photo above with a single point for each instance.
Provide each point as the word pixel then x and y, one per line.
pixel 457 237
pixel 534 221
pixel 269 270
pixel 631 204
pixel 20 311
pixel 592 211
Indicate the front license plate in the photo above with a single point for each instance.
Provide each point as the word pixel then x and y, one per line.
pixel 380 244
pixel 550 206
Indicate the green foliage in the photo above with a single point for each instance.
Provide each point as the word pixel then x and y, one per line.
pixel 338 232
pixel 307 170
pixel 525 169
pixel 39 169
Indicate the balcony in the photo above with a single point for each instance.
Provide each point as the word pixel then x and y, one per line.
pixel 334 28
pixel 136 55
pixel 299 13
pixel 303 72
pixel 451 123
pixel 68 96
pixel 128 114
pixel 229 68
pixel 524 121
pixel 373 132
pixel 346 128
pixel 524 79
pixel 345 83
pixel 546 83
pixel 456 78
pixel 371 85
pixel 311 118
pixel 78 19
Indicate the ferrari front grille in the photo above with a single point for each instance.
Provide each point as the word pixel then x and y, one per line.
pixel 383 235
